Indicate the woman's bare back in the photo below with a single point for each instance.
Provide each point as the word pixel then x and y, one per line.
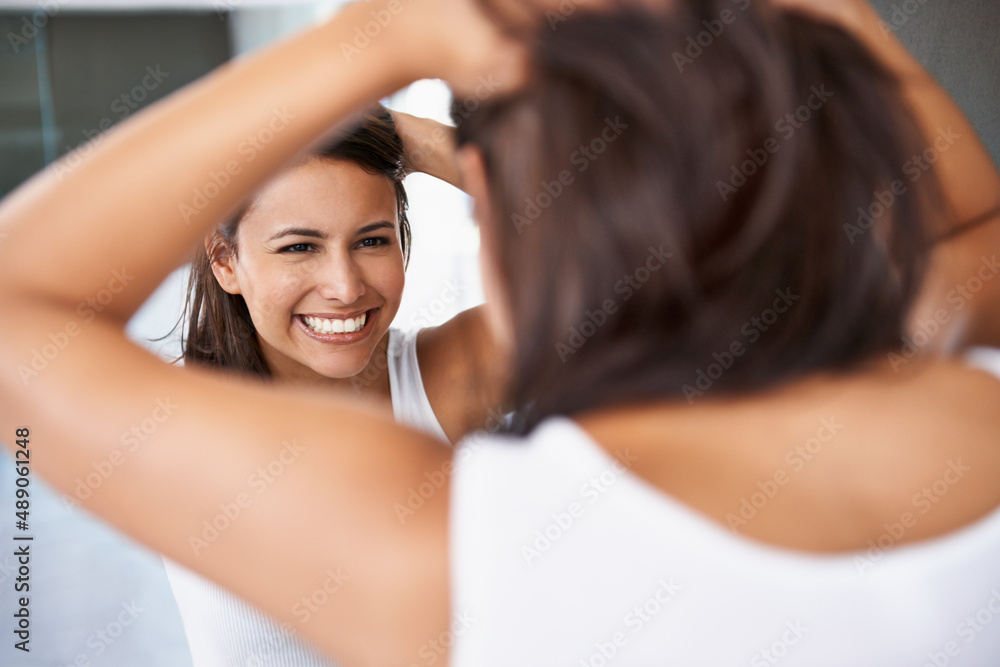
pixel 831 463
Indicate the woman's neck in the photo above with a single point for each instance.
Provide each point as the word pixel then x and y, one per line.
pixel 372 382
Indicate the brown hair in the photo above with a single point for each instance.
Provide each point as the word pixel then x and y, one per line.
pixel 220 332
pixel 644 147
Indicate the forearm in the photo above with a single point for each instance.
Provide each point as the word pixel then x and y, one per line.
pixel 429 147
pixel 439 161
pixel 158 182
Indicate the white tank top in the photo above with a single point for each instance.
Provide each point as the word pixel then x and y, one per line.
pixel 223 630
pixel 409 400
pixel 561 556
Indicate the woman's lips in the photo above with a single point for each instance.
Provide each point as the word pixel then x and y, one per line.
pixel 337 338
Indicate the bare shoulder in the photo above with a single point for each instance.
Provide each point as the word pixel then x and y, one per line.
pixel 467 331
pixel 836 458
pixel 461 371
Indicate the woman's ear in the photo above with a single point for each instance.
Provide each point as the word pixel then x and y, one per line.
pixel 222 261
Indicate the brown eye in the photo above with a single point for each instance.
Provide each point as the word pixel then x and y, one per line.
pixel 297 248
pixel 373 241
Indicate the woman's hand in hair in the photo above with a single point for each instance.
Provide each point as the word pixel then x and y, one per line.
pixel 428 147
pixel 467 43
pixel 969 181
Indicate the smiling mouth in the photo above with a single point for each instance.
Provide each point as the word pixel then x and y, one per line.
pixel 333 326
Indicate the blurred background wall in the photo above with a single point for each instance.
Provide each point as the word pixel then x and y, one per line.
pixel 959 43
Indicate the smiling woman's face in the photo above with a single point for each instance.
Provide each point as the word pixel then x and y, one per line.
pixel 320 266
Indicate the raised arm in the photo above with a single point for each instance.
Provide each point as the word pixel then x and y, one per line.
pixel 284 497
pixel 969 181
pixel 429 147
pixel 461 363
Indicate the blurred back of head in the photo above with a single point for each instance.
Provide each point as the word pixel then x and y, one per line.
pixel 674 215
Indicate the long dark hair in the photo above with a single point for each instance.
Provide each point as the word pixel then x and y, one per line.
pixel 220 332
pixel 688 220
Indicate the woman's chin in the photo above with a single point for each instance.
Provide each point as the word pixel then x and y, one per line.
pixel 345 367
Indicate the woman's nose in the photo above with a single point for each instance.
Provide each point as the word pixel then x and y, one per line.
pixel 340 279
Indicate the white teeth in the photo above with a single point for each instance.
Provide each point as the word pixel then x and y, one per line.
pixel 328 325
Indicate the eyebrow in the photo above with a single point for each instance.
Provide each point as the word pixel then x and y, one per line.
pixel 316 234
pixel 376 225
pixel 299 231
